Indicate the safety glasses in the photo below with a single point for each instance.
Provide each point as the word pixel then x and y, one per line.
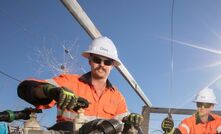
pixel 98 60
pixel 205 105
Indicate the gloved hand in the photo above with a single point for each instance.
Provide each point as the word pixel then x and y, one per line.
pixel 167 125
pixel 81 103
pixel 64 97
pixel 134 119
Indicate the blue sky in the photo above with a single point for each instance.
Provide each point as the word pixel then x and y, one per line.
pixel 141 30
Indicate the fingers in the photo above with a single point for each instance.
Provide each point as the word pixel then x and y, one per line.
pixel 83 103
pixel 61 99
pixel 135 119
pixel 167 124
pixel 138 119
pixel 66 101
pixel 72 103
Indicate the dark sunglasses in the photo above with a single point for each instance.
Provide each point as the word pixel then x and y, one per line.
pixel 98 60
pixel 205 105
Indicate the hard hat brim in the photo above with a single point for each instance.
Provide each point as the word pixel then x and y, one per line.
pixel 212 102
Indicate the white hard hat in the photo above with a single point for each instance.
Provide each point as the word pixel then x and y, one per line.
pixel 103 46
pixel 206 95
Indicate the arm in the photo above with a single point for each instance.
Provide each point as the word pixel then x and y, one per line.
pixel 30 91
pixel 39 93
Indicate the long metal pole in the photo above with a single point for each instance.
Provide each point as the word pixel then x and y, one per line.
pixel 79 14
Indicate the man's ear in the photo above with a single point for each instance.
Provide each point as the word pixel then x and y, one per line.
pixel 212 107
pixel 89 61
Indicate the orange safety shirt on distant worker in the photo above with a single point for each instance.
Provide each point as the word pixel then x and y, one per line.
pixel 111 103
pixel 193 125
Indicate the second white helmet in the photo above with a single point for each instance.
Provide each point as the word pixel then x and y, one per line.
pixel 206 95
pixel 105 47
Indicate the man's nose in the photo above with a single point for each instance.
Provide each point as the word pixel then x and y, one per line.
pixel 102 63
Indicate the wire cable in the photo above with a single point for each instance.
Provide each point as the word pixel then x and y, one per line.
pixel 9 76
pixel 172 51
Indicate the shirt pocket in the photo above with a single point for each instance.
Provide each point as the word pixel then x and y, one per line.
pixel 110 110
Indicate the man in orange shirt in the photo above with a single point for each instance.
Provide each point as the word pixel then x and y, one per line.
pixel 92 91
pixel 203 122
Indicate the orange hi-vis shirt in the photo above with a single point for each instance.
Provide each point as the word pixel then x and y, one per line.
pixel 193 125
pixel 111 103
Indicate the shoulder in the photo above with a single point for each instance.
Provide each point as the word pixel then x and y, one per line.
pixel 68 76
pixel 216 117
pixel 189 119
pixel 117 93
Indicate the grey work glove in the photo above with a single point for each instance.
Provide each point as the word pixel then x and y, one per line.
pixel 167 125
pixel 133 119
pixel 64 97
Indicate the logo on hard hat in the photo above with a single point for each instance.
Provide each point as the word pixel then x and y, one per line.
pixel 203 97
pixel 104 49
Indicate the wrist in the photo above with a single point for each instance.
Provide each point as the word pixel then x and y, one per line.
pixel 172 131
pixel 125 120
pixel 49 90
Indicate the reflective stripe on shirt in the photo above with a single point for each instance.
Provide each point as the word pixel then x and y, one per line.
pixel 121 116
pixel 72 115
pixel 218 129
pixel 186 127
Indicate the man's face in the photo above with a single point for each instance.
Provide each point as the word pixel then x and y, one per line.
pixel 204 109
pixel 100 66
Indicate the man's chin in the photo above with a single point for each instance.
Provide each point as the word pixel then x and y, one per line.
pixel 99 76
pixel 100 73
pixel 202 114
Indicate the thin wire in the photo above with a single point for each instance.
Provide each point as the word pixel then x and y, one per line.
pixel 172 52
pixel 9 76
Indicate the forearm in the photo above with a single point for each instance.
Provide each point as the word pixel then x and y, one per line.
pixel 38 93
pixel 29 91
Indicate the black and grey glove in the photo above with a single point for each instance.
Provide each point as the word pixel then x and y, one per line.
pixel 167 125
pixel 64 97
pixel 134 119
pixel 81 103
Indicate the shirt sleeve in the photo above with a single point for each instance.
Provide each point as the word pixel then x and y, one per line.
pixel 122 110
pixel 25 91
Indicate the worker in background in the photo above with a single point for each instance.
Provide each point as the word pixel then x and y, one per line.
pixel 92 91
pixel 202 122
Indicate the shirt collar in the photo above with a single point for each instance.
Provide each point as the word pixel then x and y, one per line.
pixel 86 78
pixel 198 120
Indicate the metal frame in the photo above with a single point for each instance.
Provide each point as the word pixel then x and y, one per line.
pixel 146 111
